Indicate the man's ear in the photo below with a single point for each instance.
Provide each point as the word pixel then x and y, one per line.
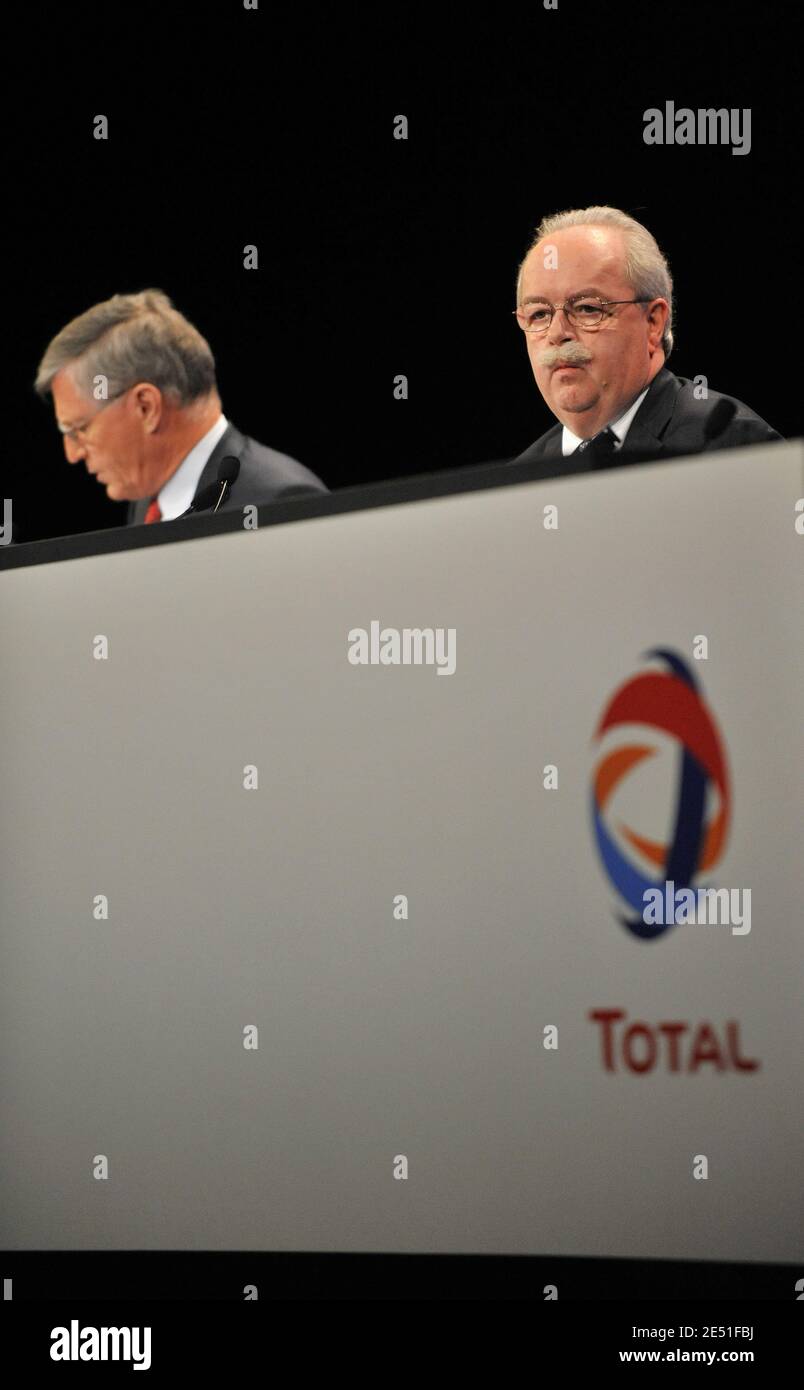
pixel 147 400
pixel 658 313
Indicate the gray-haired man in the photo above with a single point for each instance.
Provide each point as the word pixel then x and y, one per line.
pixel 135 395
pixel 595 300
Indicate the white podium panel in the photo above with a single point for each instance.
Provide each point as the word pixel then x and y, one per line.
pixel 320 955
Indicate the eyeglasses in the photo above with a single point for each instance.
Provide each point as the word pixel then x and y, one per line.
pixel 582 311
pixel 78 432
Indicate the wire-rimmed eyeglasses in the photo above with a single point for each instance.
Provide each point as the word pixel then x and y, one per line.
pixel 581 310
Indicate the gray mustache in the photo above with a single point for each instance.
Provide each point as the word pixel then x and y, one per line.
pixel 572 354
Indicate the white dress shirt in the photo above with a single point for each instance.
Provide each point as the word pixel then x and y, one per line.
pixel 179 490
pixel 620 427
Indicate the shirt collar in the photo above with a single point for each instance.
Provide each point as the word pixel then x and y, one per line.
pixel 620 426
pixel 178 492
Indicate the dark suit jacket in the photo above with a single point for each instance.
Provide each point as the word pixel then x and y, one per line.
pixel 669 422
pixel 265 476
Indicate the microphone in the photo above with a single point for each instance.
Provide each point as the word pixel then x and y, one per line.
pixel 228 469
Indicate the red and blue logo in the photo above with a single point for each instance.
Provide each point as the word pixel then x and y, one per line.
pixel 669 701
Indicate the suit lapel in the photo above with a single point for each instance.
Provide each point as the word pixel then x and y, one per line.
pixel 653 416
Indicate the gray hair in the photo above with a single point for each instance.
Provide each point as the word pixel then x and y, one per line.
pixel 131 338
pixel 646 269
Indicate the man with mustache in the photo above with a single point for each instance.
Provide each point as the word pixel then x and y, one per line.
pixel 595 301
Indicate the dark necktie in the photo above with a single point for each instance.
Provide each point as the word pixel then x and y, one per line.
pixel 600 448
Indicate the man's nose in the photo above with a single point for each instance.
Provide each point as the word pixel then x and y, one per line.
pixel 74 452
pixel 560 328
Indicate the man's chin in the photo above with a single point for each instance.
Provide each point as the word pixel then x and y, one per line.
pixel 573 391
pixel 568 403
pixel 115 492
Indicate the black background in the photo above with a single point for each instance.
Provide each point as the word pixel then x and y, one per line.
pixel 377 256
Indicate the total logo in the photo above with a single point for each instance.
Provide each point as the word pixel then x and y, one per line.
pixel 668 702
pixel 674 1046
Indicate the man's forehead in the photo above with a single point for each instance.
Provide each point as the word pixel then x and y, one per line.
pixel 589 252
pixel 68 403
pixel 63 386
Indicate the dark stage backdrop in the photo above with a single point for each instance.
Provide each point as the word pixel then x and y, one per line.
pixel 379 256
